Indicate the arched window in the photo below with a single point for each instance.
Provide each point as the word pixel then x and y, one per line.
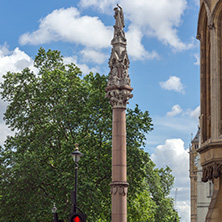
pixel 217 18
pixel 205 74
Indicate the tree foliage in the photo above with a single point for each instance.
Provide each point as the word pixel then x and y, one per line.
pixel 50 112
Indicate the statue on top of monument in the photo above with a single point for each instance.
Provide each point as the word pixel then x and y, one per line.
pixel 119 25
pixel 119 17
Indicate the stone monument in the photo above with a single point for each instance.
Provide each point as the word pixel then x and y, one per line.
pixel 119 92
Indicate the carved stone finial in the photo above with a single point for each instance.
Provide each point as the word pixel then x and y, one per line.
pixel 118 87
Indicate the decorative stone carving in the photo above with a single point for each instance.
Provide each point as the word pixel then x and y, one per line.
pixel 119 97
pixel 211 171
pixel 120 188
pixel 118 27
pixel 118 87
pixel 211 26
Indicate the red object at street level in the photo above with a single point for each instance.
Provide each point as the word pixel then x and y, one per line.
pixel 77 219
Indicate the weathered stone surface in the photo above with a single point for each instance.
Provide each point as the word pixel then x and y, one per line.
pixel 210 35
pixel 118 86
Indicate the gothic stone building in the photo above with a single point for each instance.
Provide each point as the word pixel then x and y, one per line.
pixel 210 35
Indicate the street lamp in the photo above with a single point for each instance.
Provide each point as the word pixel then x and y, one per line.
pixel 76 154
pixel 74 216
pixel 76 157
pixel 54 209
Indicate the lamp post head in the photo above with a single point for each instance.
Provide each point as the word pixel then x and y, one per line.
pixel 76 154
pixel 54 209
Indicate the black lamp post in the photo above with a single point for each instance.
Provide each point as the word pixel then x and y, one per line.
pixel 55 215
pixel 74 216
pixel 76 157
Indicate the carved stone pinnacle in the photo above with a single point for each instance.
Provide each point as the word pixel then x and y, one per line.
pixel 118 87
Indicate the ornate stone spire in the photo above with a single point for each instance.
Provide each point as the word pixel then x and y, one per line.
pixel 118 88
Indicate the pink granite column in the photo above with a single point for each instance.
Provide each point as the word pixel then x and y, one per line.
pixel 119 183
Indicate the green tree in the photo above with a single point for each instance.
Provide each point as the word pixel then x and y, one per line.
pixel 50 112
pixel 160 183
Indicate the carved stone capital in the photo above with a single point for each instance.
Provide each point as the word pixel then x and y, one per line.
pixel 120 188
pixel 211 171
pixel 119 96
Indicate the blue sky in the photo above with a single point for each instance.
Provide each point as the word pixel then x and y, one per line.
pixel 164 62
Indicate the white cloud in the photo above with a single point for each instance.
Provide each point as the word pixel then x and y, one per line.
pixel 135 46
pixel 197 57
pixel 4 50
pixel 176 109
pixel 85 30
pixel 17 60
pixel 174 84
pixel 90 55
pixel 158 19
pixel 83 67
pixel 193 113
pixel 67 25
pixel 180 126
pixel 14 61
pixel 184 210
pixel 147 18
pixel 173 154
pixel 102 5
